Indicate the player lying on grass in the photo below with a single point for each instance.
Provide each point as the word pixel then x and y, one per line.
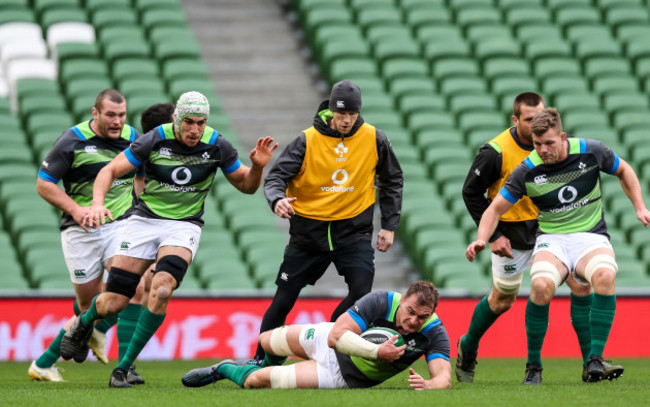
pixel 335 354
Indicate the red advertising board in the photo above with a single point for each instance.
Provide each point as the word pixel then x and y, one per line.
pixel 201 328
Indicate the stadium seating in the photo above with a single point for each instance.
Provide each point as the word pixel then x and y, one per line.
pixel 591 59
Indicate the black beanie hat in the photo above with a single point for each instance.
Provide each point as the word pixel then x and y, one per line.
pixel 345 95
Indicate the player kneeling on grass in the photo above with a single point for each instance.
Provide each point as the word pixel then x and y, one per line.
pixel 338 356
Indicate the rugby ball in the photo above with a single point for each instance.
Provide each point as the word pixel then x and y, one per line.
pixel 379 335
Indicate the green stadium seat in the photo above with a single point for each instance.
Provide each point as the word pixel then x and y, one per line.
pixel 228 274
pixel 120 33
pixel 505 67
pixel 606 66
pixel 131 48
pixel 441 137
pixel 404 68
pixel 634 135
pixel 596 49
pixel 316 20
pixel 414 103
pixel 513 85
pixel 86 85
pixel 438 33
pixel 547 49
pixel 132 68
pixel 82 67
pixel 418 122
pixel 444 68
pixel 471 121
pixel 467 103
pixel 167 50
pixel 51 103
pixel 110 18
pixel 627 119
pixel 615 84
pixel 443 48
pixel 556 66
pixel 375 16
pixel 44 121
pixel 582 33
pixel 524 16
pixel 535 32
pixel 466 84
pixel 182 67
pixel 327 33
pixel 156 16
pixel 475 15
pixel 576 15
pixel 631 33
pixel 556 85
pixel 626 15
pixel 63 14
pixel 11 15
pixel 625 102
pixel 575 120
pixel 496 48
pixel 426 15
pixel 136 86
pixel 578 102
pixel 352 68
pixel 393 49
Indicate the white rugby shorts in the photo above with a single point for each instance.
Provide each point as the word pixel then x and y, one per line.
pixel 313 339
pixel 86 253
pixel 570 248
pixel 142 237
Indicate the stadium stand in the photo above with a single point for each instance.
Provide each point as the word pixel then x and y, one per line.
pixel 56 56
pixel 438 76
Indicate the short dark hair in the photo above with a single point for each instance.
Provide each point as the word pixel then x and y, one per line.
pixel 544 120
pixel 113 95
pixel 426 293
pixel 155 115
pixel 527 98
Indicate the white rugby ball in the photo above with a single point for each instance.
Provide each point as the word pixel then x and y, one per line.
pixel 379 335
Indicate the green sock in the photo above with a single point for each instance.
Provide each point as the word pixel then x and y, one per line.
pixel 580 311
pixel 147 325
pixel 91 315
pixel 238 374
pixel 536 326
pixel 106 324
pixel 128 320
pixel 52 352
pixel 273 360
pixel 482 320
pixel 75 307
pixel 603 309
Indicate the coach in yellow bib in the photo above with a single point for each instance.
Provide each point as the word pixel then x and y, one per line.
pixel 325 183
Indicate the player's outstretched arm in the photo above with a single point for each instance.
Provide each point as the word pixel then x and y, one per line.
pixel 248 179
pixel 489 222
pixel 98 213
pixel 632 188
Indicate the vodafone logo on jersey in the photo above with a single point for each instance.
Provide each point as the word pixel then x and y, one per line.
pixel 339 178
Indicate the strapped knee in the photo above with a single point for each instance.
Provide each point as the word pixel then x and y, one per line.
pixel 546 269
pixel 508 285
pixel 122 282
pixel 283 377
pixel 279 343
pixel 173 265
pixel 600 261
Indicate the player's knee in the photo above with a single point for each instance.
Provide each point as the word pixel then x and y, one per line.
pixel 278 342
pixel 122 282
pixel 546 274
pixel 283 377
pixel 500 302
pixel 602 268
pixel 508 287
pixel 174 265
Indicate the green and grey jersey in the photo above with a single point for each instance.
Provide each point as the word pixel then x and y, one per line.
pixel 76 158
pixel 378 309
pixel 567 193
pixel 179 177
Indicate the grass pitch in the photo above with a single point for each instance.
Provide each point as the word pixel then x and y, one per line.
pixel 498 382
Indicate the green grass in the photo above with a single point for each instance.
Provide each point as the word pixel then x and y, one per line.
pixel 498 382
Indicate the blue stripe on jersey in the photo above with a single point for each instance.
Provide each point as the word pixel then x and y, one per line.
pixel 431 325
pixel 132 136
pixel 529 163
pixel 583 146
pixel 617 162
pixel 437 356
pixel 233 167
pixel 390 303
pixel 161 132
pixel 47 177
pixel 504 193
pixel 78 132
pixel 215 136
pixel 358 320
pixel 129 156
